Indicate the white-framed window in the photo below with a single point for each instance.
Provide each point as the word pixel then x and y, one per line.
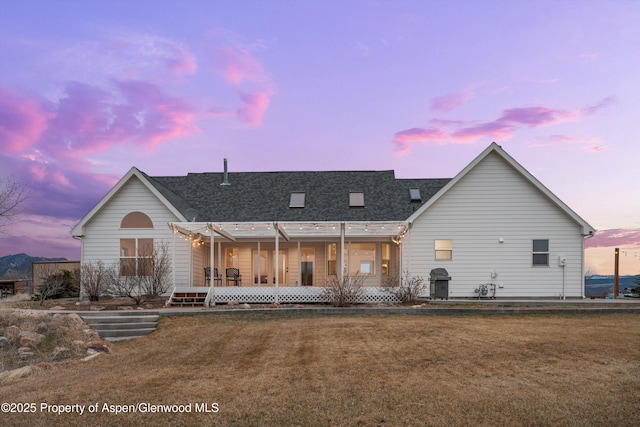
pixel 540 252
pixel 332 255
pixel 361 258
pixel 136 257
pixel 232 257
pixel 444 250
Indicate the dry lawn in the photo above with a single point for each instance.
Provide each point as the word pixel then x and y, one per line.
pixel 386 370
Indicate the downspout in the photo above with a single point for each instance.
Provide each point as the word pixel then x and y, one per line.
pixel 588 236
pixel 173 255
pixel 341 273
pixel 80 296
pixel 275 228
pixel 212 281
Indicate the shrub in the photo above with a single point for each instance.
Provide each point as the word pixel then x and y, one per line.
pixel 344 292
pixel 407 288
pixel 63 284
pixel 93 279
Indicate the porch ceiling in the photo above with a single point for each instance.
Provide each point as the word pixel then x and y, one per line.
pixel 292 230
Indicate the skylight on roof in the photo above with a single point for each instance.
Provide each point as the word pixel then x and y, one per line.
pixel 356 199
pixel 297 200
pixel 414 194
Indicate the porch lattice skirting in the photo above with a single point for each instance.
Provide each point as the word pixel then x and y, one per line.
pixel 285 295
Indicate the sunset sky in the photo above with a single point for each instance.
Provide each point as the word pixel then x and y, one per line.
pixel 89 89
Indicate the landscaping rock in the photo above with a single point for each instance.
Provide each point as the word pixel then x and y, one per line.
pixel 4 343
pixel 12 332
pixel 96 308
pixel 97 346
pixel 233 302
pixel 25 352
pixel 75 318
pixel 245 305
pixel 57 307
pixel 42 328
pixel 30 339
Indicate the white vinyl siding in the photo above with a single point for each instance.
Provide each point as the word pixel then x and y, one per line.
pixel 493 214
pixel 103 232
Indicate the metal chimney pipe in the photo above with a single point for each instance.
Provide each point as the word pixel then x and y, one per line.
pixel 226 174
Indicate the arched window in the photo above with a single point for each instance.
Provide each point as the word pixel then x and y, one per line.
pixel 136 220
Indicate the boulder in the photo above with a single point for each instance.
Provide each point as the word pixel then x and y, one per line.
pixel 12 332
pixel 4 343
pixel 29 339
pixel 25 352
pixel 97 346
pixel 42 328
pixel 75 318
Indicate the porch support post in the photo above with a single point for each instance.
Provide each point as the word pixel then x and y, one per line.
pixel 212 270
pixel 259 278
pixel 275 228
pixel 341 272
pixel 173 255
pixel 220 260
pixel 299 265
pixel 190 261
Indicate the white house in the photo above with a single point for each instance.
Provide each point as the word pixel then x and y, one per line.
pixel 287 233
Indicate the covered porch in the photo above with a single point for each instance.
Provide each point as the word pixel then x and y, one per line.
pixel 286 261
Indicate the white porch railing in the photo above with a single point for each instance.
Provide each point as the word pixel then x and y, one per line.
pixel 285 295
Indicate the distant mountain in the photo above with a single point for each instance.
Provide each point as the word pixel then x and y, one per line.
pixel 19 265
pixel 597 285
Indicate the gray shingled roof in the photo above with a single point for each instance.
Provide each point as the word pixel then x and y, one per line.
pixel 264 196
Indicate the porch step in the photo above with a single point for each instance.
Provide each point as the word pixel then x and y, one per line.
pixel 119 325
pixel 188 299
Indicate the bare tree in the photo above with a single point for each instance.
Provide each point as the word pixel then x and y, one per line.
pixel 407 288
pixel 93 279
pixel 12 195
pixel 148 279
pixel 344 292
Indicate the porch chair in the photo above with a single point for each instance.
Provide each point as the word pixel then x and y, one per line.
pixel 233 275
pixel 217 278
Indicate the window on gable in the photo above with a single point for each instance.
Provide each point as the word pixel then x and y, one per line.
pixel 414 194
pixel 356 199
pixel 136 257
pixel 136 220
pixel 297 200
pixel 541 252
pixel 444 249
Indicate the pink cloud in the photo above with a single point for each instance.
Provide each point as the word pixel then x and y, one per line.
pixel 537 116
pixel 450 102
pixel 500 129
pixel 254 106
pixel 590 144
pixel 497 130
pixel 22 121
pixel 600 105
pixel 237 65
pixel 90 120
pixel 617 237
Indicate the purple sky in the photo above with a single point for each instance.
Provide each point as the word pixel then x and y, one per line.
pixel 90 88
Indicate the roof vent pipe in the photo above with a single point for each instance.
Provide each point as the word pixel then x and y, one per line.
pixel 226 174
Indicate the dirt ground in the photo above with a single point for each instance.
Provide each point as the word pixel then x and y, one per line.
pixel 365 370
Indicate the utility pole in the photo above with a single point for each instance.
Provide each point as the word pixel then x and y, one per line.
pixel 616 274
